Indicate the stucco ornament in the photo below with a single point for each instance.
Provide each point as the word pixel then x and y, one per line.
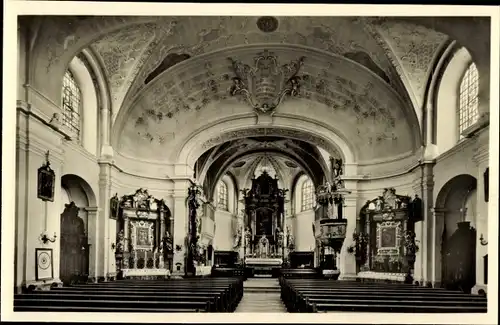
pixel 265 85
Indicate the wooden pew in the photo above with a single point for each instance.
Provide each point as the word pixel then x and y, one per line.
pixel 313 295
pixel 227 272
pixel 299 273
pixel 184 295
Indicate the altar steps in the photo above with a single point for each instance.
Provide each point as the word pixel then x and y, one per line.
pixel 261 285
pixel 314 295
pixel 261 295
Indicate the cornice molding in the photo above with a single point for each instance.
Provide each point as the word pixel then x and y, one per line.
pixel 33 91
pixel 81 150
pixel 32 112
pixel 464 144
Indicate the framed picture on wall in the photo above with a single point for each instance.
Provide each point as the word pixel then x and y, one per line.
pixel 46 181
pixel 44 266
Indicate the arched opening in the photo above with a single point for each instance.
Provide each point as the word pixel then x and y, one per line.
pixel 456 206
pixel 75 258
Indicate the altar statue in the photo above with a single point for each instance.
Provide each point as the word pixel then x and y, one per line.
pixel 167 243
pixel 263 246
pixel 120 247
pixel 237 239
pixel 279 238
pixel 248 238
pixel 114 205
pixel 290 241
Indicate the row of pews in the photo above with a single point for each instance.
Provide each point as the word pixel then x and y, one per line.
pixel 160 296
pixel 305 273
pixel 302 295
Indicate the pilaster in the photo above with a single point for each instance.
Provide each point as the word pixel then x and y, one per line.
pixel 429 236
pixel 180 224
pixel 347 261
pixel 92 225
pixel 423 186
pixel 33 216
pixel 481 159
pixel 438 224
pixel 103 242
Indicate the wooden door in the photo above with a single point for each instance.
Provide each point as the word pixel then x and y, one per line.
pixel 459 260
pixel 74 247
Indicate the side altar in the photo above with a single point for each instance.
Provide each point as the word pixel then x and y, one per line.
pixel 264 239
pixel 144 246
pixel 385 245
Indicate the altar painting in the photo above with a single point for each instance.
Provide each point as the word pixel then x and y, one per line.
pixel 389 236
pixel 142 235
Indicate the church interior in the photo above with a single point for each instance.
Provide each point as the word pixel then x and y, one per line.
pixel 252 163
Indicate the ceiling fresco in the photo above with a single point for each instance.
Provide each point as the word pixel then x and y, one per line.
pixel 340 93
pixel 364 77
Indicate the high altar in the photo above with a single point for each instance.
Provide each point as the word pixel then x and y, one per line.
pixel 264 237
pixel 144 246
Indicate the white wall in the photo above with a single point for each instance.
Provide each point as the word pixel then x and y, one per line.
pixel 304 237
pixel 223 230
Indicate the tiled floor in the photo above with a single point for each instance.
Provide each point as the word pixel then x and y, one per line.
pixel 261 295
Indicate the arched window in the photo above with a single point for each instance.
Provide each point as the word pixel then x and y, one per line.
pixel 222 196
pixel 307 195
pixel 71 103
pixel 468 106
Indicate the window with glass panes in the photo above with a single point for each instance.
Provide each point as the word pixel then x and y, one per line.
pixel 307 195
pixel 468 107
pixel 71 101
pixel 223 196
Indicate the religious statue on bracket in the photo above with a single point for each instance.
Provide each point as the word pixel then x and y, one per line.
pixel 265 85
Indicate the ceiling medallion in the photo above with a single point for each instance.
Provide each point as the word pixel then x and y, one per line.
pixel 265 85
pixel 267 24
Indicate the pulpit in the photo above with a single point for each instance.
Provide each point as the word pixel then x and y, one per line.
pixel 144 246
pixel 264 239
pixel 330 226
pixel 386 225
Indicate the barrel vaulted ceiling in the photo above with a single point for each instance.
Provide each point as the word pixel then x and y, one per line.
pixel 168 76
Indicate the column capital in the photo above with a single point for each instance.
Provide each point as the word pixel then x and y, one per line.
pixel 438 211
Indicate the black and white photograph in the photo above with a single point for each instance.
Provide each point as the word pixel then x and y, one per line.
pixel 255 161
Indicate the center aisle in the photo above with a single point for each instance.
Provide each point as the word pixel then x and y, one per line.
pixel 261 295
